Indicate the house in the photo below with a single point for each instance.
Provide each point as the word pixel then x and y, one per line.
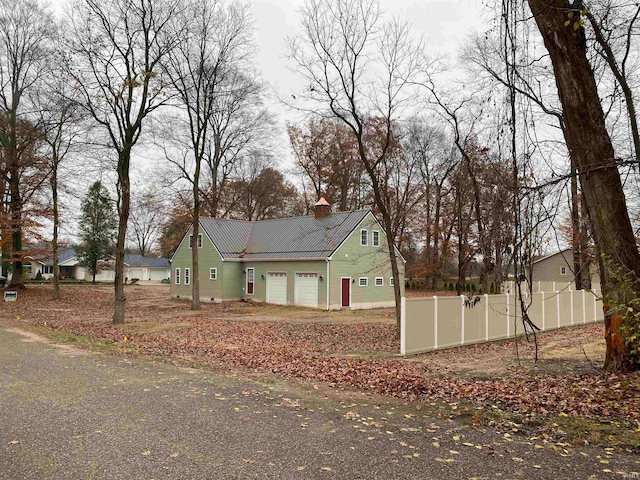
pixel 327 260
pixel 558 267
pixel 147 268
pixel 43 263
pixel 135 266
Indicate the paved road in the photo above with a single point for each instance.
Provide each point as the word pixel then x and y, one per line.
pixel 66 414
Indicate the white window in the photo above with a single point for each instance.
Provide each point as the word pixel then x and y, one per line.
pixel 563 270
pixel 199 241
pixel 379 282
pixel 47 269
pixel 363 281
pixel 375 238
pixel 187 276
pixel 364 237
pixel 391 281
pixel 213 274
pixel 177 276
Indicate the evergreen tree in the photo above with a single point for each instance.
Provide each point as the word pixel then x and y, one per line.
pixel 97 228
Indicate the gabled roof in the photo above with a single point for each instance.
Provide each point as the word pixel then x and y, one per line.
pixel 287 238
pixel 561 252
pixel 137 260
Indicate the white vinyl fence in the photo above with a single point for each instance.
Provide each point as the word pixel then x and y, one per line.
pixel 435 323
pixel 537 287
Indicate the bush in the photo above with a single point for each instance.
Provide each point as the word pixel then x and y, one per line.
pixel 39 276
pixel 166 281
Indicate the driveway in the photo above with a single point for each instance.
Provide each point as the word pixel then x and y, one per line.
pixel 69 414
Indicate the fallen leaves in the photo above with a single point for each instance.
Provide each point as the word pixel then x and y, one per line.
pixel 319 353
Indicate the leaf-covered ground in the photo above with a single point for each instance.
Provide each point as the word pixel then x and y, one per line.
pixel 350 349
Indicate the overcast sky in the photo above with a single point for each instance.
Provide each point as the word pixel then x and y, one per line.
pixel 443 23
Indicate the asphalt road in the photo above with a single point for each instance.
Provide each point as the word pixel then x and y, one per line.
pixel 69 414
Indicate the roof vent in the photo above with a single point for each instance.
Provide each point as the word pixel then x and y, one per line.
pixel 322 208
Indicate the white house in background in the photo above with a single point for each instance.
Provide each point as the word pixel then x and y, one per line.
pixel 136 266
pixel 67 263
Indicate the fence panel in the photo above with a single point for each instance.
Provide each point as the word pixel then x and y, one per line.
pixel 475 321
pixel 498 317
pixel 536 309
pixel 419 333
pixel 564 299
pixel 449 322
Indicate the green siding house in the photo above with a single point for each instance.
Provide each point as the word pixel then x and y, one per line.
pixel 328 260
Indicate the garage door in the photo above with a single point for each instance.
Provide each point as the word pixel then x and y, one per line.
pixel 307 289
pixel 136 273
pixel 277 288
pixel 159 274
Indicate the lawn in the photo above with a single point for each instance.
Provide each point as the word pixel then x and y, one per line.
pixel 354 350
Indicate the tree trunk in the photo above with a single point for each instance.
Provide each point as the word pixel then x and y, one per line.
pixel 54 243
pixel 575 228
pixel 195 263
pixel 17 280
pixel 590 146
pixel 124 190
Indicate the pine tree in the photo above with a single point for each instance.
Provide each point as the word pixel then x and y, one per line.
pixel 97 228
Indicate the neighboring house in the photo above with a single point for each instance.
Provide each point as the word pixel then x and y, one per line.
pixel 329 261
pixel 558 267
pixel 136 266
pixel 67 263
pixel 147 268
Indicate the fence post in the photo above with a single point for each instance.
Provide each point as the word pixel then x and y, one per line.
pixel 539 286
pixel 508 319
pixel 435 322
pixel 584 306
pixel 486 317
pixel 553 287
pixel 557 305
pixel 571 300
pixel 462 320
pixel 403 326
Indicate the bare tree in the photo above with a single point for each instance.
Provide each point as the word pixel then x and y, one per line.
pixel 217 41
pixel 61 121
pixel 328 163
pixel 357 67
pixel 116 50
pixel 147 213
pixel 25 34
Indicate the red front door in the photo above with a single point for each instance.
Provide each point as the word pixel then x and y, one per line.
pixel 346 292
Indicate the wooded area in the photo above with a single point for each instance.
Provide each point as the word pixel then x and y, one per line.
pixel 474 167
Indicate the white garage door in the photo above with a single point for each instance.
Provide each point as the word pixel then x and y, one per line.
pixel 307 289
pixel 135 273
pixel 277 288
pixel 159 274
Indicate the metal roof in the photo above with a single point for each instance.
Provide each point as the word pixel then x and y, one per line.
pixel 287 238
pixel 137 260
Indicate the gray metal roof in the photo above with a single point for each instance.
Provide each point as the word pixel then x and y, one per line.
pixel 137 260
pixel 64 254
pixel 287 238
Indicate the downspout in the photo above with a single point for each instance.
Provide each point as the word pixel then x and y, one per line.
pixel 328 282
